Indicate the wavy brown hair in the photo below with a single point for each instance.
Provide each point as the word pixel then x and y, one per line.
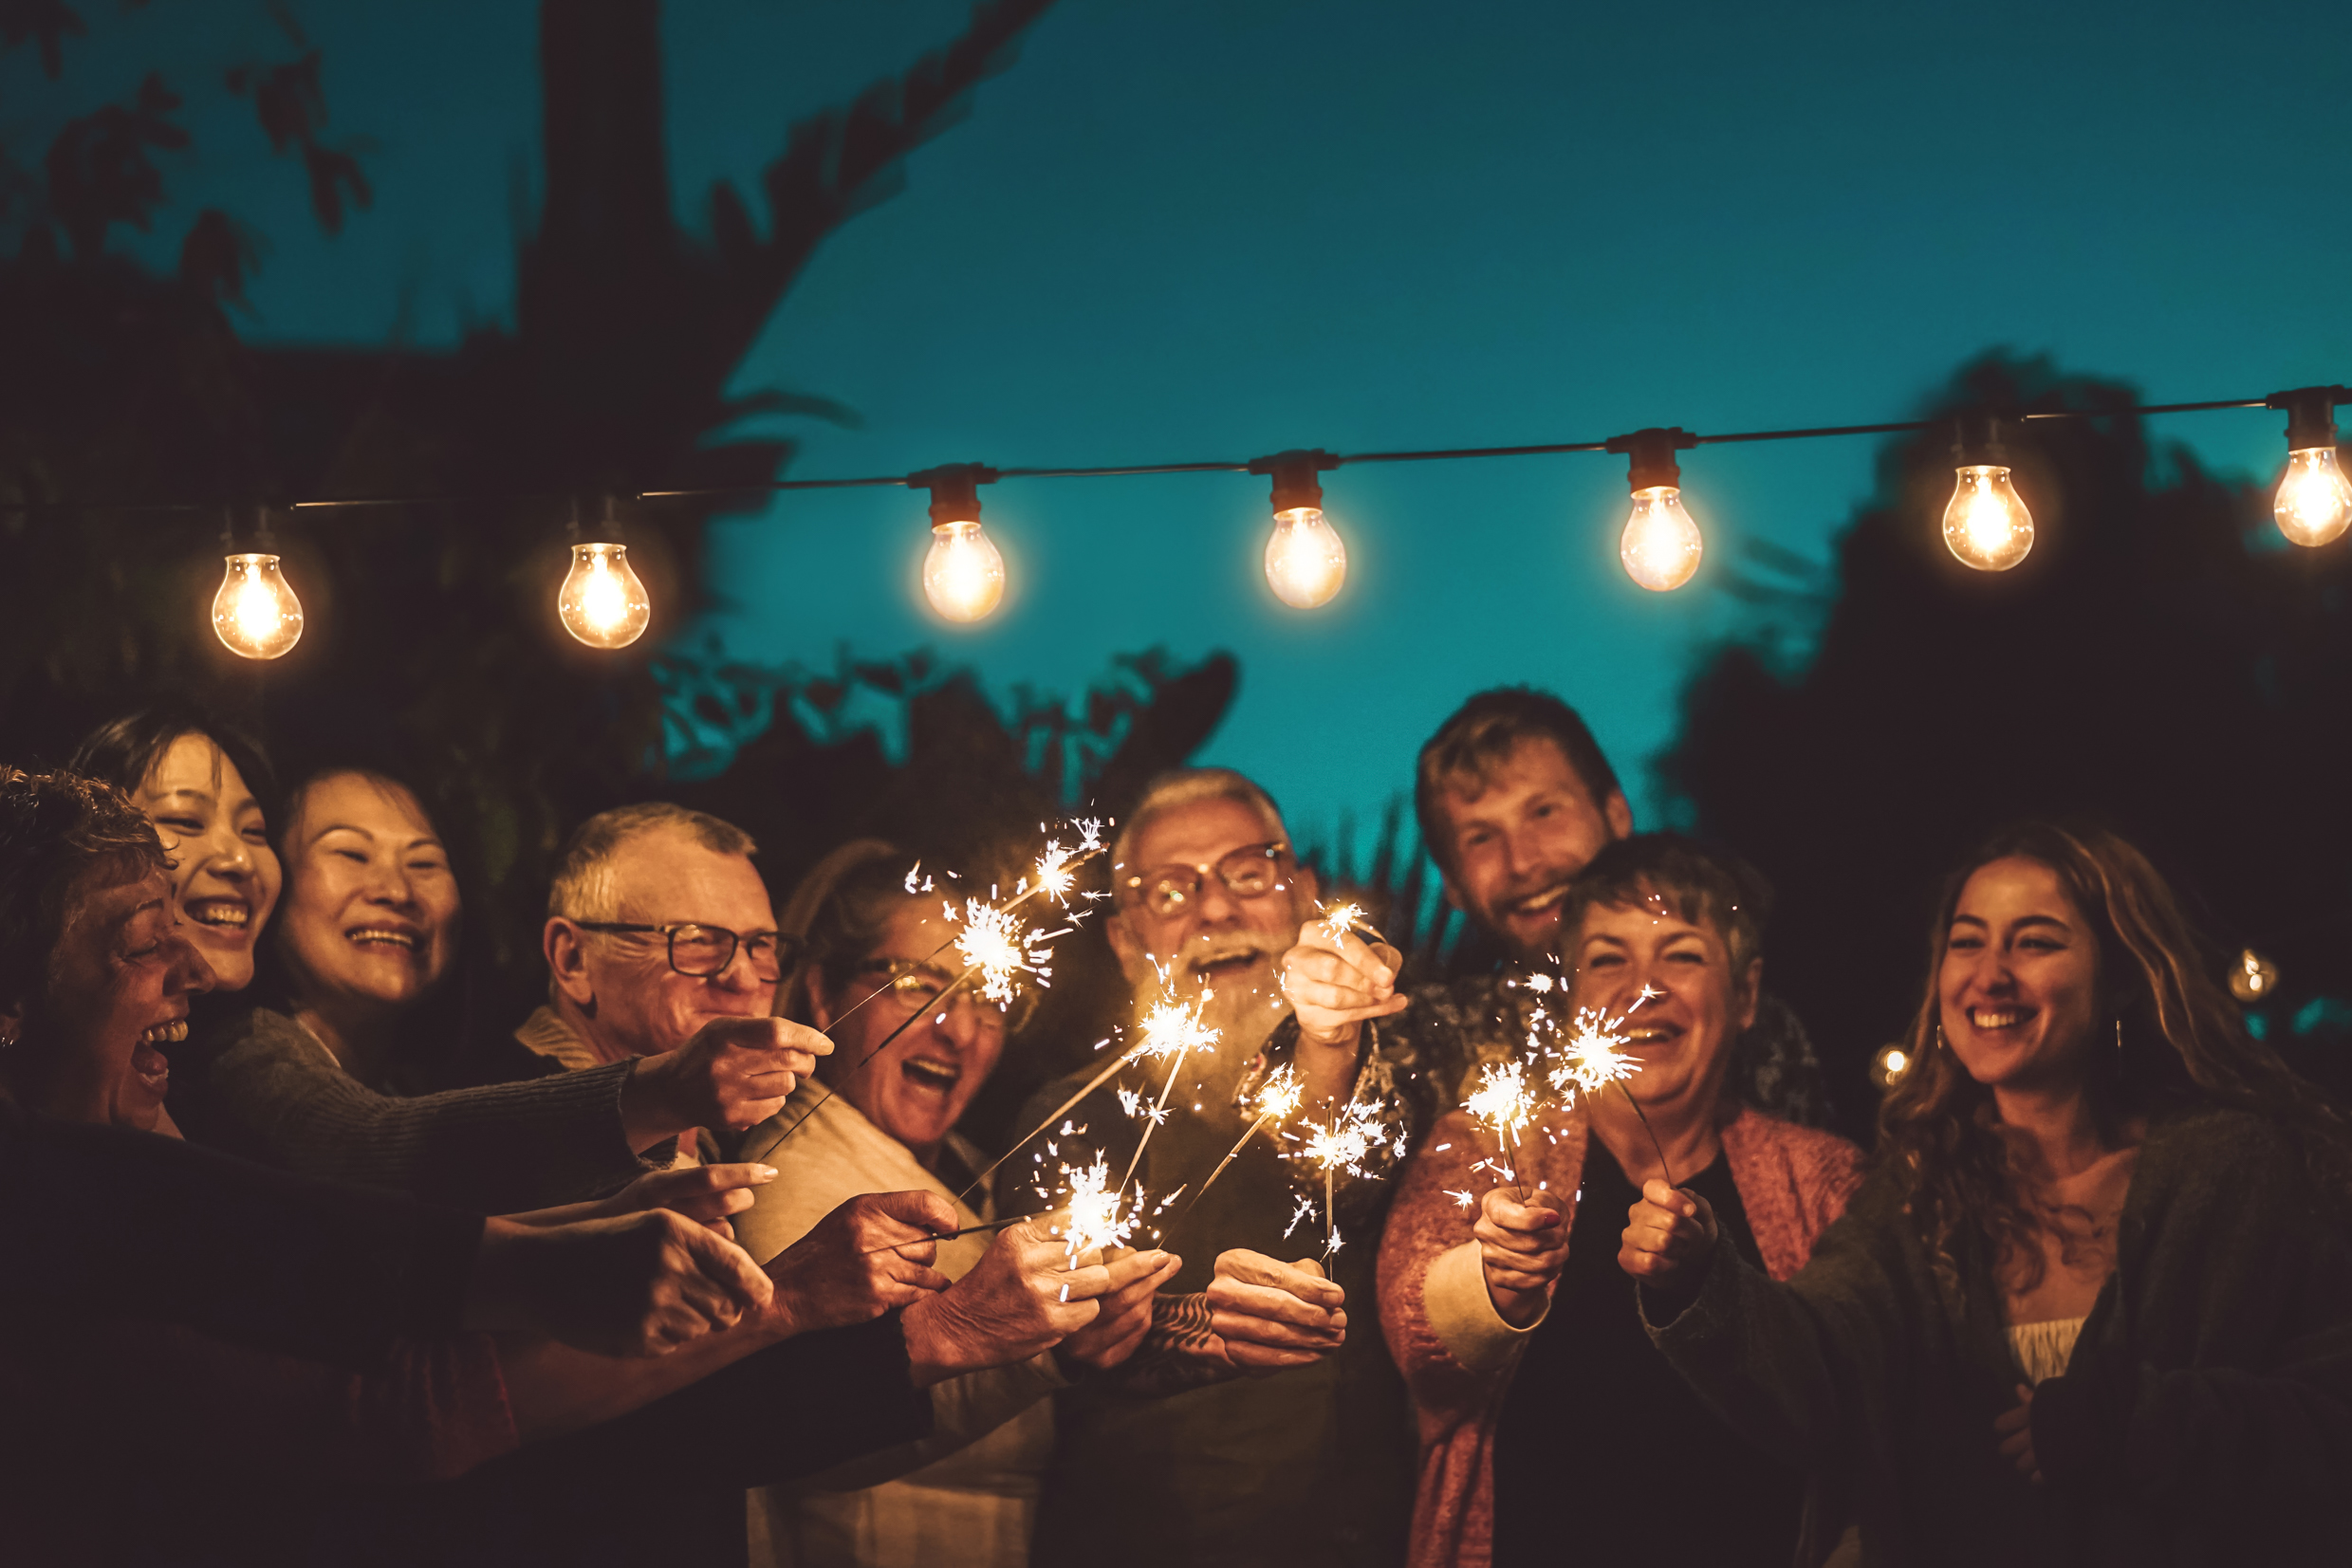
pixel 2182 1044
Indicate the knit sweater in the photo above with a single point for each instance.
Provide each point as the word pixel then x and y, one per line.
pixel 1456 1352
pixel 2205 1415
pixel 261 1085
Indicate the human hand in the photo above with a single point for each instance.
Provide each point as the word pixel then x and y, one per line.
pixel 1022 1298
pixel 1124 1315
pixel 735 1073
pixel 1335 980
pixel 1669 1236
pixel 2015 1427
pixel 871 1254
pixel 704 1193
pixel 1523 1245
pixel 632 1285
pixel 1260 1315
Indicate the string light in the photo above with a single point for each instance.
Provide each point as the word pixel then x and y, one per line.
pixel 963 574
pixel 602 602
pixel 2253 977
pixel 1306 559
pixel 255 613
pixel 1888 1065
pixel 1660 545
pixel 1986 525
pixel 2314 503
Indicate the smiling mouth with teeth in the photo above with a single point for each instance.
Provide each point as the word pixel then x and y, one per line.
pixel 1998 1018
pixel 929 1075
pixel 365 936
pixel 226 915
pixel 165 1034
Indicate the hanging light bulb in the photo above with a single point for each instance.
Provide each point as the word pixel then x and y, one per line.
pixel 2314 504
pixel 602 602
pixel 255 615
pixel 1660 546
pixel 963 574
pixel 1986 524
pixel 1306 559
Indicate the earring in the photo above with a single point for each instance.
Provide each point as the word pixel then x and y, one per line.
pixel 1939 1038
pixel 2119 1032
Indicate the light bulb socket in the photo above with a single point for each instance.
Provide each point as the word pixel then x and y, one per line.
pixel 1653 457
pixel 1293 473
pixel 1981 440
pixel 954 490
pixel 2310 415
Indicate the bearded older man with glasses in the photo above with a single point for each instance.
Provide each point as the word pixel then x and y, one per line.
pixel 1297 1464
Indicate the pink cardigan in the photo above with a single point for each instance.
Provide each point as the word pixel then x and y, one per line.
pixel 1792 1182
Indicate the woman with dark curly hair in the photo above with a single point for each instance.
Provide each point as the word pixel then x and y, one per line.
pixel 2094 1302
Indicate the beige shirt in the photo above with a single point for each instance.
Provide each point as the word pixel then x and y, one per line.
pixel 967 1495
pixel 546 1034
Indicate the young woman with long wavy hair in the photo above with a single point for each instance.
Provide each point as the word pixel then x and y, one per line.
pixel 2093 1304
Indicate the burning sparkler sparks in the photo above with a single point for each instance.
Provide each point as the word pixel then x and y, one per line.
pixel 1347 1142
pixel 1506 1104
pixel 1276 1099
pixel 1592 1057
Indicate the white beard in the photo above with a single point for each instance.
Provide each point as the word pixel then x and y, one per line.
pixel 1242 1008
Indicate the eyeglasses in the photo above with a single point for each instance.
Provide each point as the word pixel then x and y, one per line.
pixel 703 953
pixel 1252 872
pixel 917 987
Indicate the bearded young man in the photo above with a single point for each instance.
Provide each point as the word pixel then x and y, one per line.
pixel 1305 1467
pixel 1513 798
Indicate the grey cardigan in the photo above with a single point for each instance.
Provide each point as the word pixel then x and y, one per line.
pixel 2205 1418
pixel 263 1086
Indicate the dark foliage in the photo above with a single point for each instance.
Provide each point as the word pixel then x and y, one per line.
pixel 2158 663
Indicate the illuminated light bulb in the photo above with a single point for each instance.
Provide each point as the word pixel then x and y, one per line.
pixel 2252 977
pixel 1986 525
pixel 2314 503
pixel 255 612
pixel 963 574
pixel 1660 546
pixel 1888 1065
pixel 601 602
pixel 1306 560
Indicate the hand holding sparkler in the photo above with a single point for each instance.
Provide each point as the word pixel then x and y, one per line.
pixel 1522 1248
pixel 1266 1314
pixel 1026 1295
pixel 1670 1237
pixel 1335 980
pixel 871 1254
pixel 1126 1314
pixel 735 1073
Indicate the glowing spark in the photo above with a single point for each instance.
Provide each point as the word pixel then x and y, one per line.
pixel 1342 918
pixel 1539 983
pixel 1097 1217
pixel 1277 1099
pixel 1503 1100
pixel 1462 1198
pixel 1593 1057
pixel 999 947
pixel 1130 1101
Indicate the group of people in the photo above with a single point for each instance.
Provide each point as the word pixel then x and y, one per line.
pixel 717 1276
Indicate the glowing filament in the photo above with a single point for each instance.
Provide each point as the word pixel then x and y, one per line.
pixel 1986 525
pixel 1660 545
pixel 602 603
pixel 963 576
pixel 2314 503
pixel 1306 561
pixel 255 613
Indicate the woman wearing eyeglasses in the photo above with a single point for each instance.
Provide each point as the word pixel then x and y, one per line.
pixel 881 1117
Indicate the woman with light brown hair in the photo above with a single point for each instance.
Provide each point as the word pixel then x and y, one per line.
pixel 2094 1302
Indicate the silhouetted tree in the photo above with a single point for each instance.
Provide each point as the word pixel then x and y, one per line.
pixel 2154 663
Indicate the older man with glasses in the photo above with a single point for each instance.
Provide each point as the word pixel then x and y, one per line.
pixel 661 947
pixel 1306 1466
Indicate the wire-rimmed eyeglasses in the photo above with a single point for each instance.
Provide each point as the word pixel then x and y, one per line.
pixel 1252 872
pixel 703 953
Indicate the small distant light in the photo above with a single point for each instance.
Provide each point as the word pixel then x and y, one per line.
pixel 1888 1065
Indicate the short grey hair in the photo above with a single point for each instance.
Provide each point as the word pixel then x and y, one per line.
pixel 583 887
pixel 1182 787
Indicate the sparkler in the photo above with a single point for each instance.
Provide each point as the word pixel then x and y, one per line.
pixel 1506 1105
pixel 1343 1144
pixel 1277 1100
pixel 1173 1031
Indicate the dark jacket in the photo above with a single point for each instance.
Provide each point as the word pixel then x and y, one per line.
pixel 2205 1418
